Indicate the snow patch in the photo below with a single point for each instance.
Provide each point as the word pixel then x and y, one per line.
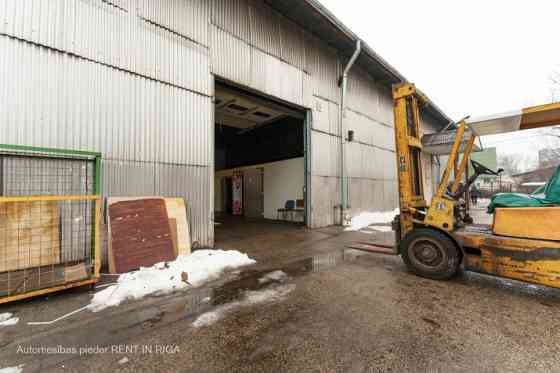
pixel 6 319
pixel 17 369
pixel 366 219
pixel 250 298
pixel 164 278
pixel 278 276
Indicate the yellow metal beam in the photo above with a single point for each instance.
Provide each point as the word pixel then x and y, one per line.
pixel 464 164
pixel 37 293
pixel 49 198
pixel 451 160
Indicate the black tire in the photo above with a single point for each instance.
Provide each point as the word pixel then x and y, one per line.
pixel 431 254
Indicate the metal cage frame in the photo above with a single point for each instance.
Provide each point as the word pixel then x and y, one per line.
pixel 95 259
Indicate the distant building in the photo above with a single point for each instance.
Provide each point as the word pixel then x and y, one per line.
pixel 528 181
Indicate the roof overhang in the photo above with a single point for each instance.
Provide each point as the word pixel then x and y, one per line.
pixel 313 16
pixel 534 117
pixel 440 143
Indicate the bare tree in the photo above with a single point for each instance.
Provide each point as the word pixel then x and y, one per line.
pixel 511 163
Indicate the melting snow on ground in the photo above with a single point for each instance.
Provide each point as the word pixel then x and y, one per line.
pixel 163 278
pixel 250 298
pixel 278 276
pixel 366 219
pixel 17 369
pixel 7 319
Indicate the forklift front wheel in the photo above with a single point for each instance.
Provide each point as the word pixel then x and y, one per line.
pixel 431 254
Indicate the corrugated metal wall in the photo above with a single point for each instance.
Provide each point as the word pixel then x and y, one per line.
pixel 370 159
pixel 134 80
pixel 128 78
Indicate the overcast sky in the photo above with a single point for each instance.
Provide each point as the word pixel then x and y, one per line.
pixel 470 57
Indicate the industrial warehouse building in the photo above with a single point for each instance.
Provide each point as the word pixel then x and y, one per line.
pixel 194 98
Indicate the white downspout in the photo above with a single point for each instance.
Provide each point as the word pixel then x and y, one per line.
pixel 343 178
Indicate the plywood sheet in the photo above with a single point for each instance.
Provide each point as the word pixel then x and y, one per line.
pixel 177 211
pixel 29 235
pixel 139 234
pixel 528 222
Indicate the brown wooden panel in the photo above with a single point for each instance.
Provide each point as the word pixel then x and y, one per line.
pixel 139 233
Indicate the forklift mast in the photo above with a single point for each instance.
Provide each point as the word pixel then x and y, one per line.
pixel 439 213
pixel 408 151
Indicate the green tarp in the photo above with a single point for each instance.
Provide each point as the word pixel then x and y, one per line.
pixel 547 196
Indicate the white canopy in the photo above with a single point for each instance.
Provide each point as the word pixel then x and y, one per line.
pixel 533 117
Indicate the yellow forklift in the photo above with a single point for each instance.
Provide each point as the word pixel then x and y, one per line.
pixel 434 238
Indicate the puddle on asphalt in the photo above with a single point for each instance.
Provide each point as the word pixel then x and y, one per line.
pixel 201 300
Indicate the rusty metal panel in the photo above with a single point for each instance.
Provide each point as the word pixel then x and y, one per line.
pixel 140 235
pixel 232 16
pixel 188 18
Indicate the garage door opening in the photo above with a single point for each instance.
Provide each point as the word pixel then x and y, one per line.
pixel 259 159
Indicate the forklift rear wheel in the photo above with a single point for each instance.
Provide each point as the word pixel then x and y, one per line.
pixel 431 254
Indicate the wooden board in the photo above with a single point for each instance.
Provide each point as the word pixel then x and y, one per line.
pixel 24 280
pixel 76 272
pixel 173 228
pixel 29 235
pixel 528 222
pixel 177 211
pixel 139 234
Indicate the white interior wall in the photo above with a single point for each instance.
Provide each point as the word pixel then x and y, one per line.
pixel 282 181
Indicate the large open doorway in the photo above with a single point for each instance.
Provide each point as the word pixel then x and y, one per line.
pixel 260 162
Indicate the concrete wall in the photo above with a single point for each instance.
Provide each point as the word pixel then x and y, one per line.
pixel 282 181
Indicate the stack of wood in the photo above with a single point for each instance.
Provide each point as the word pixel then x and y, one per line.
pixel 145 231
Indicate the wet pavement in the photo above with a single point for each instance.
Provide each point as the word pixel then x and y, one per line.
pixel 347 311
